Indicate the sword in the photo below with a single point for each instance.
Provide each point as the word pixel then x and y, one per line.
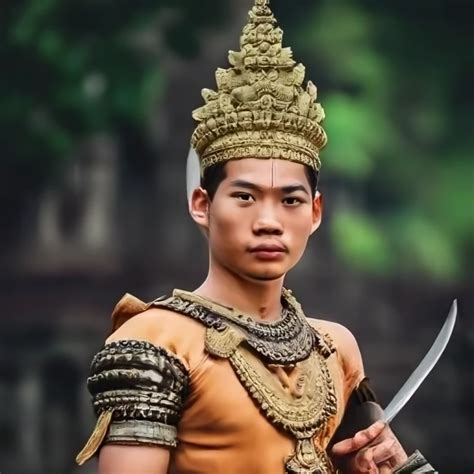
pixel 424 368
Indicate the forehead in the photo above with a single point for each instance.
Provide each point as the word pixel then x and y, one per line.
pixel 266 172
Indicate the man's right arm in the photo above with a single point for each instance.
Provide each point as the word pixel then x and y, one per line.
pixel 118 459
pixel 127 459
pixel 138 389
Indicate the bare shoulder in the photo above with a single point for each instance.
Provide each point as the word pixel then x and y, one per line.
pixel 344 341
pixel 342 337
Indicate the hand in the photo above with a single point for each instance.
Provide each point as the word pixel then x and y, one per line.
pixel 374 450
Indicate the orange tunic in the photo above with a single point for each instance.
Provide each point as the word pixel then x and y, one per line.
pixel 233 419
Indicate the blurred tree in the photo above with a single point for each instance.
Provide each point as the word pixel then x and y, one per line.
pixel 395 84
pixel 72 69
pixel 395 80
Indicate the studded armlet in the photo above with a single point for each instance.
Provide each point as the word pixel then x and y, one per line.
pixel 138 391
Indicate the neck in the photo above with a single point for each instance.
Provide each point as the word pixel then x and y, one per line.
pixel 260 299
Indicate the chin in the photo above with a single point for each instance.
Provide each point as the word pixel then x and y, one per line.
pixel 265 274
pixel 267 277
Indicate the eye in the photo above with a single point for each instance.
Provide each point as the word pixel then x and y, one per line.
pixel 292 201
pixel 244 197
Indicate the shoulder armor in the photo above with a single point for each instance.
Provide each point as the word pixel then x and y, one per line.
pixel 126 308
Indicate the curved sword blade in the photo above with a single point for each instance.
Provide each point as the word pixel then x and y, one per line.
pixel 424 368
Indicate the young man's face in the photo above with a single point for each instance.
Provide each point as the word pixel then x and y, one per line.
pixel 261 217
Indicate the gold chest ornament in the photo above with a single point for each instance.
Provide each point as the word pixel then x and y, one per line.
pixel 297 397
pixel 282 365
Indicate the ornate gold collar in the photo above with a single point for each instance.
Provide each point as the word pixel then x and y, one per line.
pixel 286 341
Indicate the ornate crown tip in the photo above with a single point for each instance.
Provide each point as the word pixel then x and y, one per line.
pixel 260 109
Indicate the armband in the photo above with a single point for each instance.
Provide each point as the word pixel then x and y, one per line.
pixel 138 391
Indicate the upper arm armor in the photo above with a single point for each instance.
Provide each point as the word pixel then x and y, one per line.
pixel 138 391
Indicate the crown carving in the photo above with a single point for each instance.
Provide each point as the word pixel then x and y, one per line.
pixel 260 108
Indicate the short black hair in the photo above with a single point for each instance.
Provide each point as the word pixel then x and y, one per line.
pixel 215 174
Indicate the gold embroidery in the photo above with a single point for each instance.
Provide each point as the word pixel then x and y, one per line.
pixel 300 400
pixel 223 343
pixel 308 460
pixel 301 413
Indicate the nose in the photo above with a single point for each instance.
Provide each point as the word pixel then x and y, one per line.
pixel 267 222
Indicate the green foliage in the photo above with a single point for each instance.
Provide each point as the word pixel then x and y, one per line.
pixel 423 246
pixel 361 242
pixel 394 81
pixel 79 67
pixel 394 85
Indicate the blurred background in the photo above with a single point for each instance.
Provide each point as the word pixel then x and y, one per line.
pixel 95 120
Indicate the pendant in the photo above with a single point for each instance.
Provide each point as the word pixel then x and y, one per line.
pixel 307 460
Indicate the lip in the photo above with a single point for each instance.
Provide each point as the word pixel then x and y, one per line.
pixel 269 251
pixel 268 248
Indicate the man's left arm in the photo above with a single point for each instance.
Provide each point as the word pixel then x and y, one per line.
pixel 364 442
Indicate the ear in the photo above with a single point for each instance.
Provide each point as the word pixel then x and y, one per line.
pixel 317 211
pixel 199 208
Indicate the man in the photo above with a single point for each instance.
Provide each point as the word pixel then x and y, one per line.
pixel 232 377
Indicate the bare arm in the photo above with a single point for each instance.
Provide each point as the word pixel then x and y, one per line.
pixel 348 350
pixel 118 459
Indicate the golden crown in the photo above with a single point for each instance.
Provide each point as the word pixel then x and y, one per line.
pixel 260 109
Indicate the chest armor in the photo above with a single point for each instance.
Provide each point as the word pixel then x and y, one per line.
pixel 282 365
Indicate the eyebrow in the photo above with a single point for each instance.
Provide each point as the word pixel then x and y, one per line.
pixel 240 183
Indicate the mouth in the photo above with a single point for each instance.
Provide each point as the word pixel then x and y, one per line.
pixel 269 251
